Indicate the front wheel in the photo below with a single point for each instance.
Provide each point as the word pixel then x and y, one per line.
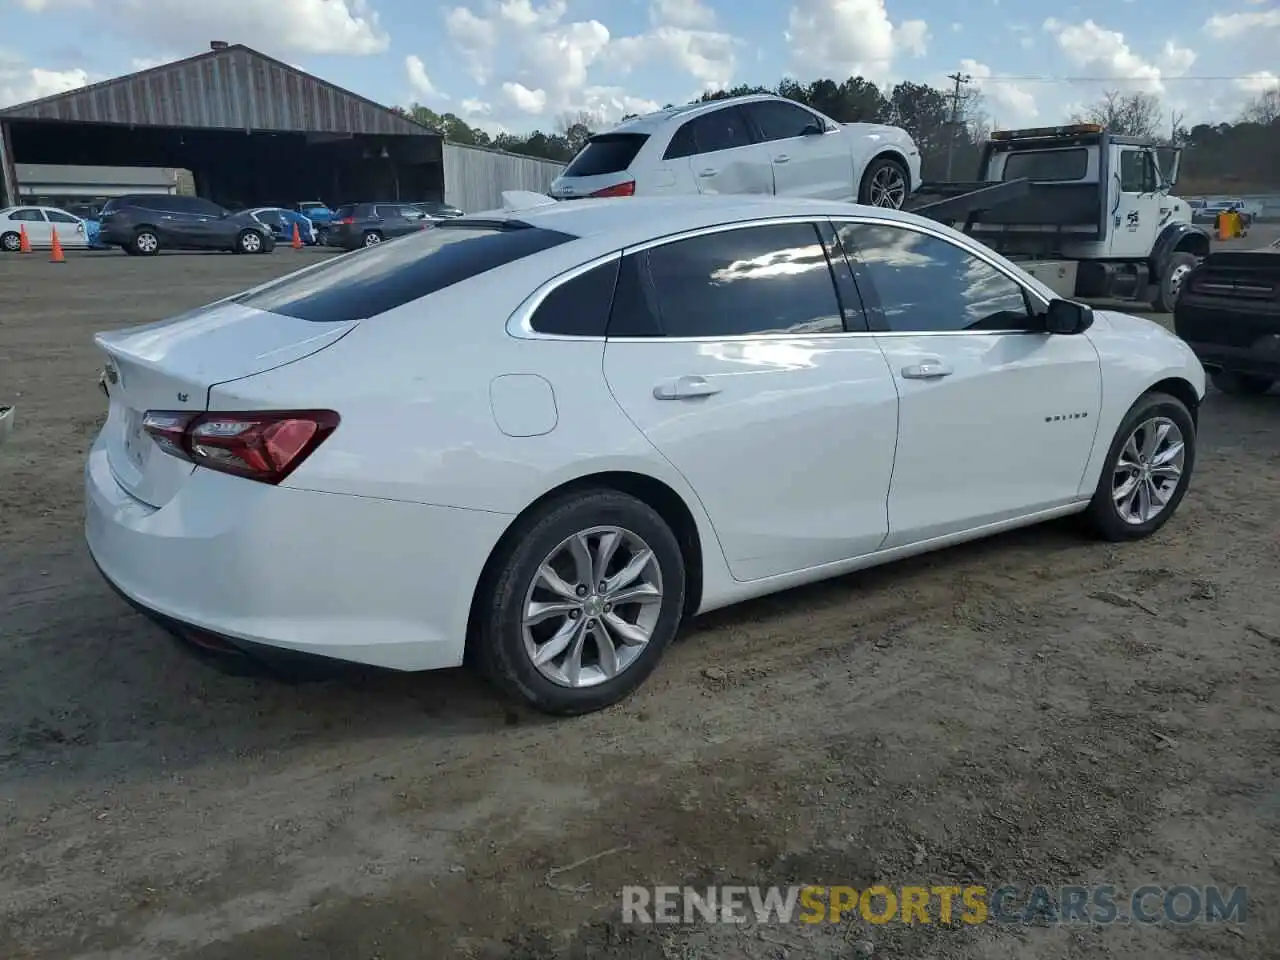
pixel 249 241
pixel 581 603
pixel 10 242
pixel 1170 286
pixel 1241 384
pixel 1147 469
pixel 886 183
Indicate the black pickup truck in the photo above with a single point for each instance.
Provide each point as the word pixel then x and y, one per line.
pixel 1229 314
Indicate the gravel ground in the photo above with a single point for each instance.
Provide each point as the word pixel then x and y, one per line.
pixel 1037 708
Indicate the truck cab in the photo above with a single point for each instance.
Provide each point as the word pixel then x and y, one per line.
pixel 1096 218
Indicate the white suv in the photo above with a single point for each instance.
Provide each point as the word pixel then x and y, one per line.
pixel 754 144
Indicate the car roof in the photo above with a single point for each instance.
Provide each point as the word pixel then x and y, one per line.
pixel 652 122
pixel 635 219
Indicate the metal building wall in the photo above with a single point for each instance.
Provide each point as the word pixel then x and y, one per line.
pixel 474 178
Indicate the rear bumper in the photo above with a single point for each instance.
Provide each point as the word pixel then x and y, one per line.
pixel 247 566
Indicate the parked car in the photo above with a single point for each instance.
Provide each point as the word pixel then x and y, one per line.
pixel 1210 209
pixel 1229 313
pixel 144 224
pixel 533 438
pixel 437 209
pixel 40 223
pixel 318 213
pixel 754 144
pixel 358 225
pixel 281 223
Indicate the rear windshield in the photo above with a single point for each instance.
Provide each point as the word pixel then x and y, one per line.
pixel 1070 164
pixel 379 278
pixel 349 210
pixel 606 153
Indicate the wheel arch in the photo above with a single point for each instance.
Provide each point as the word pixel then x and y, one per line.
pixel 1180 389
pixel 1178 238
pixel 648 490
pixel 888 153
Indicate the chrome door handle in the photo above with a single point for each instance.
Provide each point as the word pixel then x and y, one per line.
pixel 781 158
pixel 685 388
pixel 928 370
pixel 708 172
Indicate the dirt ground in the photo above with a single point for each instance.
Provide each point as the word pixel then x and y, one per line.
pixel 1037 708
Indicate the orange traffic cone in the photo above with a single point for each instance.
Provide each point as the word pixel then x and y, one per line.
pixel 24 242
pixel 56 255
pixel 297 238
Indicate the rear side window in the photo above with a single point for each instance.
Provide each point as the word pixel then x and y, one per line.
pixel 380 278
pixel 579 307
pixel 606 153
pixel 342 213
pixel 720 130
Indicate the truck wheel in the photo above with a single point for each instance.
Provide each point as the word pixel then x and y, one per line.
pixel 1180 264
pixel 1241 384
pixel 885 184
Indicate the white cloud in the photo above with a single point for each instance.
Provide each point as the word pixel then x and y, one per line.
pixel 422 86
pixel 20 82
pixel 1106 54
pixel 845 38
pixel 476 108
pixel 147 63
pixel 1260 81
pixel 541 63
pixel 1231 26
pixel 1011 103
pixel 40 6
pixel 1175 60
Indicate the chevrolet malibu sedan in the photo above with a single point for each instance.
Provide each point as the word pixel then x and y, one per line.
pixel 542 438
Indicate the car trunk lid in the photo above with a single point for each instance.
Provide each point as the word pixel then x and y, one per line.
pixel 172 366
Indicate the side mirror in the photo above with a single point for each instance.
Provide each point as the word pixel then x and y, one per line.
pixel 1067 317
pixel 811 130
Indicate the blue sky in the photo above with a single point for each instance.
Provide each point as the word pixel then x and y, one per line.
pixel 521 64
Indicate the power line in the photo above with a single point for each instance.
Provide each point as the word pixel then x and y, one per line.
pixel 1009 78
pixel 961 79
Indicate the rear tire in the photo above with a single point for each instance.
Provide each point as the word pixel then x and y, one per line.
pixel 1241 384
pixel 250 241
pixel 1156 437
pixel 371 239
pixel 10 242
pixel 520 658
pixel 1170 286
pixel 885 183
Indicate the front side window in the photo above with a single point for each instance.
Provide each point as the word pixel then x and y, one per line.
pixel 926 284
pixel 1137 172
pixel 782 121
pixel 57 216
pixel 750 281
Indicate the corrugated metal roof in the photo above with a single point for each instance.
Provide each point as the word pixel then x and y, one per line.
pixel 233 88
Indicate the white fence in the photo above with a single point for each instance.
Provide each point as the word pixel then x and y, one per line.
pixel 474 178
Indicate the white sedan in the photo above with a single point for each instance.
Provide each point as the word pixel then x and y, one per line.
pixel 547 436
pixel 754 144
pixel 40 222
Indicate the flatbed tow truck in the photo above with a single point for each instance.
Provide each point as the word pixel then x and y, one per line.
pixel 1084 211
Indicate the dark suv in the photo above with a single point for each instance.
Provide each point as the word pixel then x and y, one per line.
pixel 144 224
pixel 356 225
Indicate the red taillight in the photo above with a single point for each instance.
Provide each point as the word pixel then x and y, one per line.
pixel 627 189
pixel 264 446
pixel 347 221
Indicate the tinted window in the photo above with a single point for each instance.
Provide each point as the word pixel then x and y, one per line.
pixel 579 307
pixel 1048 165
pixel 344 212
pixel 204 208
pixel 720 130
pixel 781 121
pixel 606 153
pixel 57 216
pixel 682 143
pixel 926 284
pixel 379 278
pixel 30 216
pixel 757 280
pixel 1137 175
pixel 387 211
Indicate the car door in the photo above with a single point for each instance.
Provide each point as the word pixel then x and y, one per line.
pixel 725 158
pixel 33 220
pixel 71 230
pixel 410 220
pixel 1135 216
pixel 274 220
pixel 211 229
pixel 741 362
pixel 996 420
pixel 809 156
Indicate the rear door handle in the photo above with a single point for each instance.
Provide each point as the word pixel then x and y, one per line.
pixel 707 172
pixel 781 158
pixel 685 388
pixel 927 370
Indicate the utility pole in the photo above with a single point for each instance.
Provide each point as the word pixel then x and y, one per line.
pixel 961 79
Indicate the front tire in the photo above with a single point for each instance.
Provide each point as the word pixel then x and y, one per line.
pixel 580 603
pixel 1147 470
pixel 249 242
pixel 1241 384
pixel 886 183
pixel 1170 286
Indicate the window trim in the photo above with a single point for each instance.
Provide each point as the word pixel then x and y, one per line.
pixel 519 323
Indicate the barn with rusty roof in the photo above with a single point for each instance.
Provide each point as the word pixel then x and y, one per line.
pixel 253 130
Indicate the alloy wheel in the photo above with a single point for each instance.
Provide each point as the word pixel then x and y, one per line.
pixel 592 607
pixel 251 243
pixel 1148 470
pixel 147 243
pixel 1176 276
pixel 12 242
pixel 372 239
pixel 888 187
